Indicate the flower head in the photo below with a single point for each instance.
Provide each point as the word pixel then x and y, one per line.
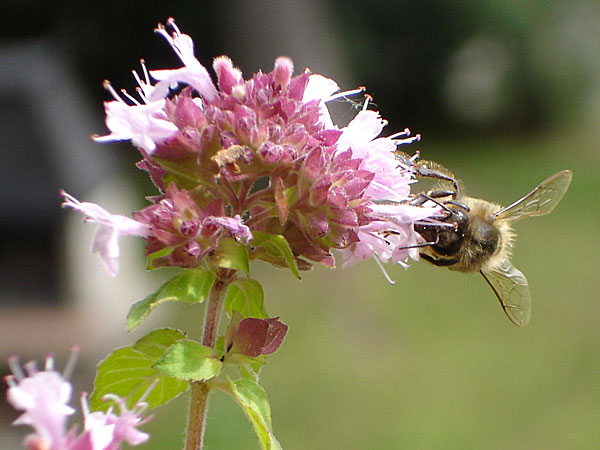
pixel 176 222
pixel 234 156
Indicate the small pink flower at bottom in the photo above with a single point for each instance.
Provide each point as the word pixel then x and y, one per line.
pixel 43 397
pixel 112 227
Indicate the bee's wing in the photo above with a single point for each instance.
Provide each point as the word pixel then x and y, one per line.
pixel 541 200
pixel 511 287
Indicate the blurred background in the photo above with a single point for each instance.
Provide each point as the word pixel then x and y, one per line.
pixel 503 93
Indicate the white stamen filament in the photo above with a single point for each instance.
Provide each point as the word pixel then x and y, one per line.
pixel 49 362
pixel 126 94
pixel 73 356
pixel 15 368
pixel 346 93
pixel 385 274
pixel 106 84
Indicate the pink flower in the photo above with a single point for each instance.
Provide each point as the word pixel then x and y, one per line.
pixel 111 228
pixel 193 73
pixel 377 154
pixel 44 396
pixel 391 238
pixel 176 222
pixel 107 431
pixel 144 124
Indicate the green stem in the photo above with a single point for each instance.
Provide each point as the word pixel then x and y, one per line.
pixel 200 389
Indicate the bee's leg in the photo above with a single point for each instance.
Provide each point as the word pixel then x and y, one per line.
pixel 426 169
pixel 440 262
pixel 420 245
pixel 459 204
pixel 441 194
pixel 422 198
pixel 423 171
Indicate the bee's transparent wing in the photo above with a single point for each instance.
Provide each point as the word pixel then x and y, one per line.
pixel 541 200
pixel 511 287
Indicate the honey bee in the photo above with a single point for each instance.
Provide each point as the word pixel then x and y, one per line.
pixel 475 235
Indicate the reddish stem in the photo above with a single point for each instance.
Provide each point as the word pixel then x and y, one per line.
pixel 199 389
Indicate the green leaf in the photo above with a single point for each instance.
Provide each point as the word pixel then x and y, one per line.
pixel 250 367
pixel 230 255
pixel 157 254
pixel 277 246
pixel 253 401
pixel 245 296
pixel 220 345
pixel 128 373
pixel 190 286
pixel 179 172
pixel 189 360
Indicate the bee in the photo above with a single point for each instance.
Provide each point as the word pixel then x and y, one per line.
pixel 475 235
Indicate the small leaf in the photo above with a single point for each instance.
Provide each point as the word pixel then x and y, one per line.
pixel 250 371
pixel 277 246
pixel 253 337
pixel 127 372
pixel 189 360
pixel 253 401
pixel 245 296
pixel 157 254
pixel 230 255
pixel 190 286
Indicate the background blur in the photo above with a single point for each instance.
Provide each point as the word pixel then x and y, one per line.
pixel 503 93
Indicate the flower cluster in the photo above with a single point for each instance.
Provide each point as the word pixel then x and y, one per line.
pixel 43 396
pixel 262 154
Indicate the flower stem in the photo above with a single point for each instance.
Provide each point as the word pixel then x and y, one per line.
pixel 199 389
pixel 196 415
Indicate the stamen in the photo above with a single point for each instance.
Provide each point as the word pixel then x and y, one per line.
pixel 69 200
pixel 171 23
pixel 145 394
pixel 11 381
pixel 49 362
pixel 144 86
pixel 410 140
pixel 85 408
pixel 404 133
pixel 106 84
pixel 385 274
pixel 15 368
pixel 172 40
pixel 126 94
pixel 31 368
pixel 346 93
pixel 145 70
pixel 368 99
pixel 73 357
